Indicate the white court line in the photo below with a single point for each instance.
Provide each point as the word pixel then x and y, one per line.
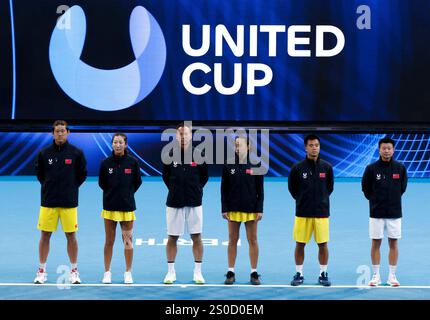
pixel 204 285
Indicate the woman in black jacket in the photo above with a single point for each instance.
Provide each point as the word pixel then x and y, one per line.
pixel 242 196
pixel 119 178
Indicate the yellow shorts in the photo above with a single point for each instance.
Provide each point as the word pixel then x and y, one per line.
pixel 304 227
pixel 48 219
pixel 119 216
pixel 241 216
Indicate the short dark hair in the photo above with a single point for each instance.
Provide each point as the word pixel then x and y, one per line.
pixel 119 134
pixel 60 123
pixel 311 137
pixel 386 140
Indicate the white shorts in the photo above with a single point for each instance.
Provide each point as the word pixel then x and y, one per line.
pixel 393 227
pixel 179 218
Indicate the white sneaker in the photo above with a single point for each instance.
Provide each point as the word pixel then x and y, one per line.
pixel 107 277
pixel 170 277
pixel 41 277
pixel 392 281
pixel 376 280
pixel 128 279
pixel 74 277
pixel 198 278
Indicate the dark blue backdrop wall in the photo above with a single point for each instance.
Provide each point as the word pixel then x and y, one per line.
pixel 348 153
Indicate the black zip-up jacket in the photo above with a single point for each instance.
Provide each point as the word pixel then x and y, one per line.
pixel 240 189
pixel 383 184
pixel 119 178
pixel 185 183
pixel 310 184
pixel 60 170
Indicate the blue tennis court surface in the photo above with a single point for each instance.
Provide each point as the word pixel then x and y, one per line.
pixel 349 264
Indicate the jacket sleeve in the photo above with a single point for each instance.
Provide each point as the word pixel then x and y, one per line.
pixel 81 168
pixel 330 180
pixel 166 175
pixel 137 177
pixel 40 168
pixel 204 174
pixel 102 176
pixel 260 193
pixel 224 189
pixel 293 183
pixel 404 179
pixel 367 183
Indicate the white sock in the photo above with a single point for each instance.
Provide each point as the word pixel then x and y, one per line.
pixel 392 269
pixel 74 266
pixel 171 266
pixel 375 268
pixel 197 267
pixel 253 270
pixel 231 269
pixel 299 268
pixel 42 266
pixel 323 268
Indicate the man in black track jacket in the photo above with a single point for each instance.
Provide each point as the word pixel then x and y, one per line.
pixel 310 183
pixel 185 182
pixel 383 184
pixel 61 169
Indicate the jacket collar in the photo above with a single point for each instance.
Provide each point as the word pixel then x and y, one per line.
pixel 237 159
pixel 115 157
pixel 385 163
pixel 310 161
pixel 60 147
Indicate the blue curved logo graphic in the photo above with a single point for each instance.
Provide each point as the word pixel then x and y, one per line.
pixel 107 90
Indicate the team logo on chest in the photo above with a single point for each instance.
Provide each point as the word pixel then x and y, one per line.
pixel 378 176
pixel 175 164
pixel 232 171
pixel 50 161
pixel 110 170
pixel 305 175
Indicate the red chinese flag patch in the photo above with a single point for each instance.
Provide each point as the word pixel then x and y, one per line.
pixel 396 176
pixel 127 171
pixel 322 174
pixel 248 171
pixel 194 164
pixel 68 161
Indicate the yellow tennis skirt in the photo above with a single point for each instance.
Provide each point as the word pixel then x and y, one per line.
pixel 119 216
pixel 241 216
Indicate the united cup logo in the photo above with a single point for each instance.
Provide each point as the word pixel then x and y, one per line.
pixel 378 176
pixel 305 175
pixel 232 171
pixel 49 161
pixel 110 170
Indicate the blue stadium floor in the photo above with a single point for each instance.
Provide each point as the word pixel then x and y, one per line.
pixel 349 265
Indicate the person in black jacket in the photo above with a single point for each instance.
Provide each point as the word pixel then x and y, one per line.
pixel 119 178
pixel 310 183
pixel 242 196
pixel 61 169
pixel 383 184
pixel 185 180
